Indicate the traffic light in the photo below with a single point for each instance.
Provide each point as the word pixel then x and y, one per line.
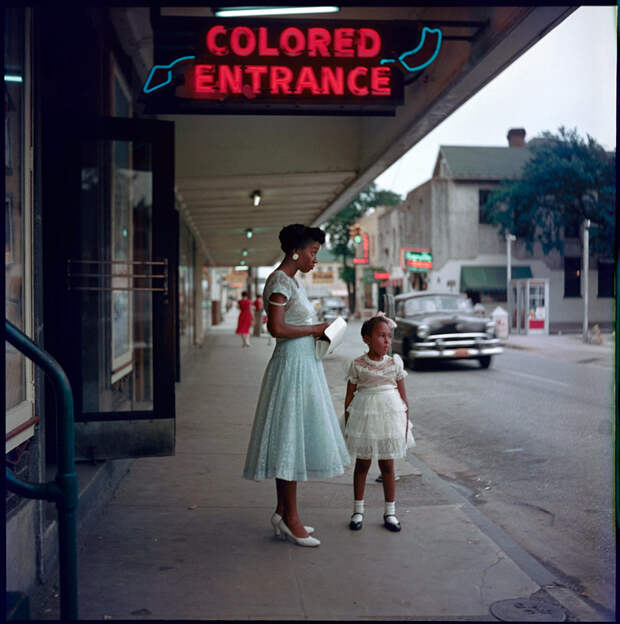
pixel 355 232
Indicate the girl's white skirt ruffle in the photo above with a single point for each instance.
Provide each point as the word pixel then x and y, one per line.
pixel 376 425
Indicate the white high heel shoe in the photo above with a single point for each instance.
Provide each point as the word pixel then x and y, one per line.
pixel 275 520
pixel 300 541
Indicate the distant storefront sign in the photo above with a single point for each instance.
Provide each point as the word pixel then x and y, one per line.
pixel 322 277
pixel 416 260
pixel 253 65
pixel 374 274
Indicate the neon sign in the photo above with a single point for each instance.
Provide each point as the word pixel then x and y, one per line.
pixel 365 251
pixel 310 65
pixel 416 260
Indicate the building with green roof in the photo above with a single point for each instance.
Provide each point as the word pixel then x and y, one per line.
pixel 444 216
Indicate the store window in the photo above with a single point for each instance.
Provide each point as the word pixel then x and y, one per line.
pixel 605 278
pixel 17 211
pixel 572 277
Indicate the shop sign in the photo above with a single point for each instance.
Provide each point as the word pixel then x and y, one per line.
pixel 322 277
pixel 416 260
pixel 302 66
pixel 374 274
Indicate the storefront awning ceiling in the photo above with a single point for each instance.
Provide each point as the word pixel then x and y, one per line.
pixel 308 167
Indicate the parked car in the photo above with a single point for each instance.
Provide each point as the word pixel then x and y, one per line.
pixel 438 325
pixel 331 308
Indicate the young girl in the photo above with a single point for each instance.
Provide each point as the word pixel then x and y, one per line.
pixel 376 416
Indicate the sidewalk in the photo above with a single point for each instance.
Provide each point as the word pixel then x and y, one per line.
pixel 185 537
pixel 568 347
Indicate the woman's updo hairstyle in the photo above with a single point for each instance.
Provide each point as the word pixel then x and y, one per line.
pixel 298 236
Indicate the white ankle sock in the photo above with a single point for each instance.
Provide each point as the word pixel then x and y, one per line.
pixel 358 510
pixel 390 511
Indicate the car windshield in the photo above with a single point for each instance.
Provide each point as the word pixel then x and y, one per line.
pixel 333 303
pixel 437 303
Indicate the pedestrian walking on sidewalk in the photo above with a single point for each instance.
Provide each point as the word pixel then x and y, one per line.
pixel 258 315
pixel 245 319
pixel 295 435
pixel 376 417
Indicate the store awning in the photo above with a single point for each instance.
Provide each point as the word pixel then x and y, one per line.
pixel 490 278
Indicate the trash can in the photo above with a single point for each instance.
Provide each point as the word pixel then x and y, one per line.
pixel 500 316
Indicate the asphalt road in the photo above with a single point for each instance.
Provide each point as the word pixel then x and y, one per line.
pixel 529 442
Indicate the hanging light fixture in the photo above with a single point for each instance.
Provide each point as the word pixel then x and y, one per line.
pixel 256 197
pixel 249 233
pixel 264 11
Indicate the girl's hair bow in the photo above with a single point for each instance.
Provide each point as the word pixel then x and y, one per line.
pixel 390 322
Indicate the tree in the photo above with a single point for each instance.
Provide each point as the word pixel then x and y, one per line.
pixel 338 230
pixel 567 180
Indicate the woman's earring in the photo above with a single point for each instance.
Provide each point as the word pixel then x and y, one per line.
pixel 295 256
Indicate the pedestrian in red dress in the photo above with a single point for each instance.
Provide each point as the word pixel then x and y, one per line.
pixel 245 318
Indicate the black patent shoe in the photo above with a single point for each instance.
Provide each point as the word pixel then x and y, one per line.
pixel 391 526
pixel 354 525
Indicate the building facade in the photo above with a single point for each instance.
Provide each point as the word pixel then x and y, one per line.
pixel 83 267
pixel 444 215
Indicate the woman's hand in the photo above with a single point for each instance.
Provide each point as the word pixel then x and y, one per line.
pixel 319 329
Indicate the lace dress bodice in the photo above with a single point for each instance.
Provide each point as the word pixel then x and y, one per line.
pixel 366 373
pixel 299 310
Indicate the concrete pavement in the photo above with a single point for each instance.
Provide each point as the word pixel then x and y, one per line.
pixel 185 537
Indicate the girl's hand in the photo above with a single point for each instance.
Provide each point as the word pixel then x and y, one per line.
pixel 317 330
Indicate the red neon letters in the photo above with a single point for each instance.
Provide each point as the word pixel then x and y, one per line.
pixel 293 41
pixel 269 73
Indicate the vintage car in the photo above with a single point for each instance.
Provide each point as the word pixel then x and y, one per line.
pixel 331 308
pixel 438 325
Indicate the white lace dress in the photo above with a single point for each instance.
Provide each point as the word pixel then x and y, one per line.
pixel 377 415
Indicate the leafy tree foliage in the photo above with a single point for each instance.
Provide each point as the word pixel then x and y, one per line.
pixel 337 227
pixel 568 179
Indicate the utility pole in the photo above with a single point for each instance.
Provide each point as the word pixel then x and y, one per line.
pixel 509 239
pixel 585 268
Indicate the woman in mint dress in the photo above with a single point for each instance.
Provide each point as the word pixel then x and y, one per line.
pixel 295 435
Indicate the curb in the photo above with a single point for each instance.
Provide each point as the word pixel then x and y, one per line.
pixel 519 347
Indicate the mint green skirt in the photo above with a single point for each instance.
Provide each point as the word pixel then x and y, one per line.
pixel 295 435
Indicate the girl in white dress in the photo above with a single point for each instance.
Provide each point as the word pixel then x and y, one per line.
pixel 376 417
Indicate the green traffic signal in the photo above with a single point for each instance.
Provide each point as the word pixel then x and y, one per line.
pixel 358 239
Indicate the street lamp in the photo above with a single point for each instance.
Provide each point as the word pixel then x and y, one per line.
pixel 584 269
pixel 509 239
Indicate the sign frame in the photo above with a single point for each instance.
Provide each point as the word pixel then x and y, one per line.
pixel 337 55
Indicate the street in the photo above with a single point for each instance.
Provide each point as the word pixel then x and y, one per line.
pixel 529 441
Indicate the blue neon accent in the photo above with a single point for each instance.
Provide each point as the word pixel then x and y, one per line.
pixel 148 89
pixel 417 49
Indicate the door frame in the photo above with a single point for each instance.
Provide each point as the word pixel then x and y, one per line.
pixel 62 316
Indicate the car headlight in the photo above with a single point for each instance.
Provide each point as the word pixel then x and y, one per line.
pixel 491 328
pixel 423 331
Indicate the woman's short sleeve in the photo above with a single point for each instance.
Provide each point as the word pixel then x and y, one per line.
pixel 279 283
pixel 401 373
pixel 353 373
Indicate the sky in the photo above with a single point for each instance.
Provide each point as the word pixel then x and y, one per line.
pixel 566 79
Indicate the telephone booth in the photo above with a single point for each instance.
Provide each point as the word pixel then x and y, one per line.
pixel 529 306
